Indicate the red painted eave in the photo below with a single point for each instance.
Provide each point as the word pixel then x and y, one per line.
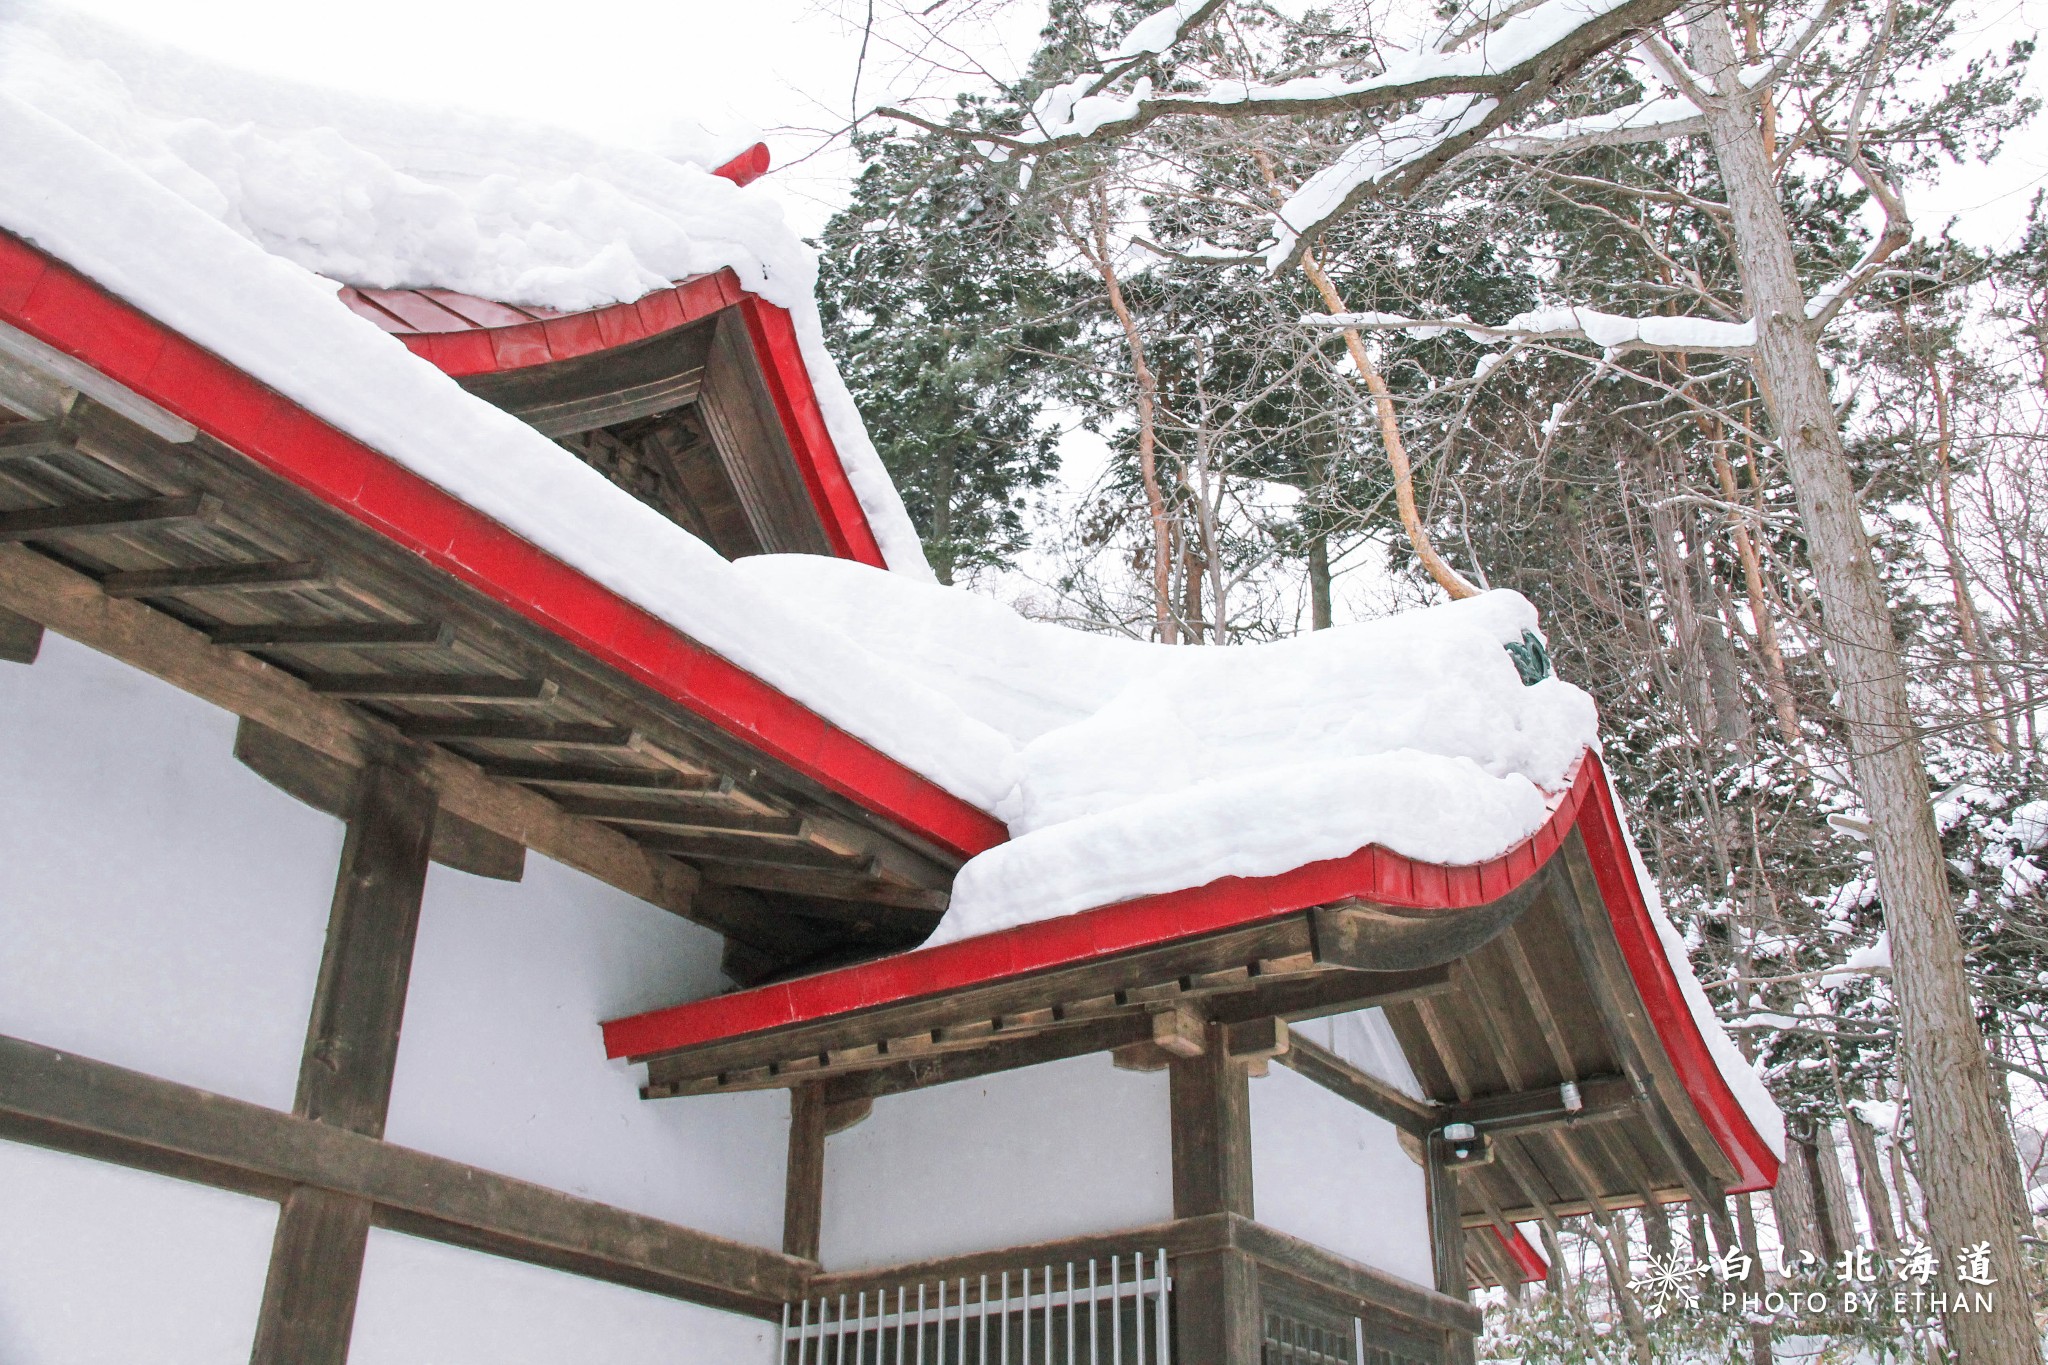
pixel 1372 874
pixel 1527 1261
pixel 53 303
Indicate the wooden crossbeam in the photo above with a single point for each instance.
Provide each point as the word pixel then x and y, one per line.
pixel 707 819
pixel 736 850
pixel 516 730
pixel 268 576
pixel 25 440
pixel 98 518
pixel 544 774
pixel 73 605
pixel 352 634
pixel 56 1099
pixel 1601 1098
pixel 20 638
pixel 433 687
pixel 1314 1062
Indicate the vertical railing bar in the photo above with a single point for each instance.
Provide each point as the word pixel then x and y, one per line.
pixel 1094 1302
pixel 1025 1353
pixel 839 1335
pixel 1116 1311
pixel 1048 1314
pixel 981 1325
pixel 1358 1338
pixel 782 1345
pixel 1163 1336
pixel 939 1354
pixel 860 1330
pixel 1004 1326
pixel 1071 1314
pixel 1138 1305
pixel 920 1321
pixel 962 1344
pixel 902 1294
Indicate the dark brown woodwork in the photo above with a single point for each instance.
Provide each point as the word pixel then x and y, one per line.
pixel 1212 1133
pixel 740 418
pixel 74 606
pixel 329 785
pixel 316 1269
pixel 103 518
pixel 1446 1226
pixel 1362 1088
pixel 1216 1317
pixel 271 576
pixel 611 387
pixel 608 777
pixel 26 440
pixel 432 687
pixel 985 1059
pixel 1600 1098
pixel 517 730
pixel 348 634
pixel 70 1103
pixel 803 1197
pixel 20 638
pixel 1388 939
pixel 351 1055
pixel 706 818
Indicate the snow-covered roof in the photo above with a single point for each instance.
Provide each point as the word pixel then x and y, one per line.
pixel 226 207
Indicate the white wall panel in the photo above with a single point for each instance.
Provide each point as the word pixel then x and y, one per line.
pixel 423 1303
pixel 161 906
pixel 1329 1173
pixel 105 1266
pixel 501 1063
pixel 1059 1150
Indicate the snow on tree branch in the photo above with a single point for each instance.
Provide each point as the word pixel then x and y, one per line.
pixel 1477 82
pixel 1612 332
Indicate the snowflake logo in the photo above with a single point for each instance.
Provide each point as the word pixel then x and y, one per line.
pixel 1667 1283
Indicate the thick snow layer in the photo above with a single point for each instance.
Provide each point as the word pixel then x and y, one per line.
pixel 388 195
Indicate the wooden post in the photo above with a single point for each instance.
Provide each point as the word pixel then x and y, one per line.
pixel 803 1199
pixel 1212 1132
pixel 1446 1227
pixel 316 1257
pixel 1216 1293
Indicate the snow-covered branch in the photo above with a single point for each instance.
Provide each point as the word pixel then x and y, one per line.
pixel 1465 94
pixel 1612 332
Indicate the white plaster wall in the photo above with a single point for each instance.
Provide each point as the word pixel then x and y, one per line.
pixel 501 1064
pixel 105 1266
pixel 1060 1150
pixel 423 1303
pixel 1365 1039
pixel 161 906
pixel 1329 1173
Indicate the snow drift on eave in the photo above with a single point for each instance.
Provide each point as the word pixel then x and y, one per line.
pixel 389 195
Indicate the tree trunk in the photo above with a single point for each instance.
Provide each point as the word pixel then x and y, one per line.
pixel 1319 581
pixel 1942 1052
pixel 1877 1200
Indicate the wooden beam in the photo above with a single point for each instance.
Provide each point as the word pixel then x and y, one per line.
pixel 271 576
pixel 658 815
pixel 607 778
pixel 517 730
pixel 397 687
pixel 350 634
pixel 20 638
pixel 1385 938
pixel 351 1055
pixel 73 605
pixel 1446 1225
pixel 943 1068
pixel 1212 1132
pixel 1317 1063
pixel 1601 1099
pixel 101 518
pixel 803 1195
pixel 327 784
pixel 26 440
pixel 60 1100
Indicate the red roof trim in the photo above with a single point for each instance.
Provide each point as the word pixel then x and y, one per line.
pixel 1371 873
pixel 747 167
pixel 433 325
pixel 1527 1261
pixel 62 308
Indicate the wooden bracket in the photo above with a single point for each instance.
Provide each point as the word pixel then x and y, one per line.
pixel 1180 1031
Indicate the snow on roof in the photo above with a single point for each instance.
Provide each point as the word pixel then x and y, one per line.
pixel 1123 769
pixel 383 194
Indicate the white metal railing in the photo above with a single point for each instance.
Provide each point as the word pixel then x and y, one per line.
pixel 1110 1311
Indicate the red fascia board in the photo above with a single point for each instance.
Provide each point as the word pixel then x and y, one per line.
pixel 747 167
pixel 1527 1261
pixel 770 329
pixel 1373 874
pixel 796 402
pixel 61 308
pixel 1643 949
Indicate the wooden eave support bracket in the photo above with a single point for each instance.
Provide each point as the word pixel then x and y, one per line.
pixel 74 606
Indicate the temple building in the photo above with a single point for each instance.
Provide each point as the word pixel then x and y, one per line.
pixel 507 854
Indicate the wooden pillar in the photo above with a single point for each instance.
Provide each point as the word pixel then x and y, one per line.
pixel 316 1257
pixel 1446 1227
pixel 1216 1293
pixel 803 1198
